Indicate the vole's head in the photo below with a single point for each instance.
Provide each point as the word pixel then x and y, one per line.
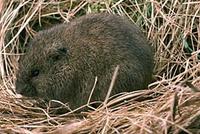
pixel 44 69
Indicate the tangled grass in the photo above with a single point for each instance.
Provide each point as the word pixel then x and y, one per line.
pixel 171 105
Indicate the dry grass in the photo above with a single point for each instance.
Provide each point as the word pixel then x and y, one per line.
pixel 170 106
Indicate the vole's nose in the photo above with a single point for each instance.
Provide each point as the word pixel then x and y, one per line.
pixel 25 89
pixel 19 87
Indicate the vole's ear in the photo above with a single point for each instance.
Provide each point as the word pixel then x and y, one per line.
pixel 62 50
pixel 58 54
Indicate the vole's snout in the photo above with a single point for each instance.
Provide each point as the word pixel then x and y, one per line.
pixel 25 89
pixel 18 87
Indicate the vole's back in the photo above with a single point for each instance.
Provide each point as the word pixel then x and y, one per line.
pixel 92 45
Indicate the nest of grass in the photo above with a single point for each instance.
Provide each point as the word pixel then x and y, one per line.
pixel 170 105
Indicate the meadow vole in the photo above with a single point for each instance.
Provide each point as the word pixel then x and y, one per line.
pixel 61 63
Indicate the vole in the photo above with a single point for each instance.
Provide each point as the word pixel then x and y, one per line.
pixel 61 63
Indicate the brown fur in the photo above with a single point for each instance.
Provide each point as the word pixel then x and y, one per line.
pixel 62 62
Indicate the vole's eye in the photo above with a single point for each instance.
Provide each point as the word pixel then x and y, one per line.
pixel 35 72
